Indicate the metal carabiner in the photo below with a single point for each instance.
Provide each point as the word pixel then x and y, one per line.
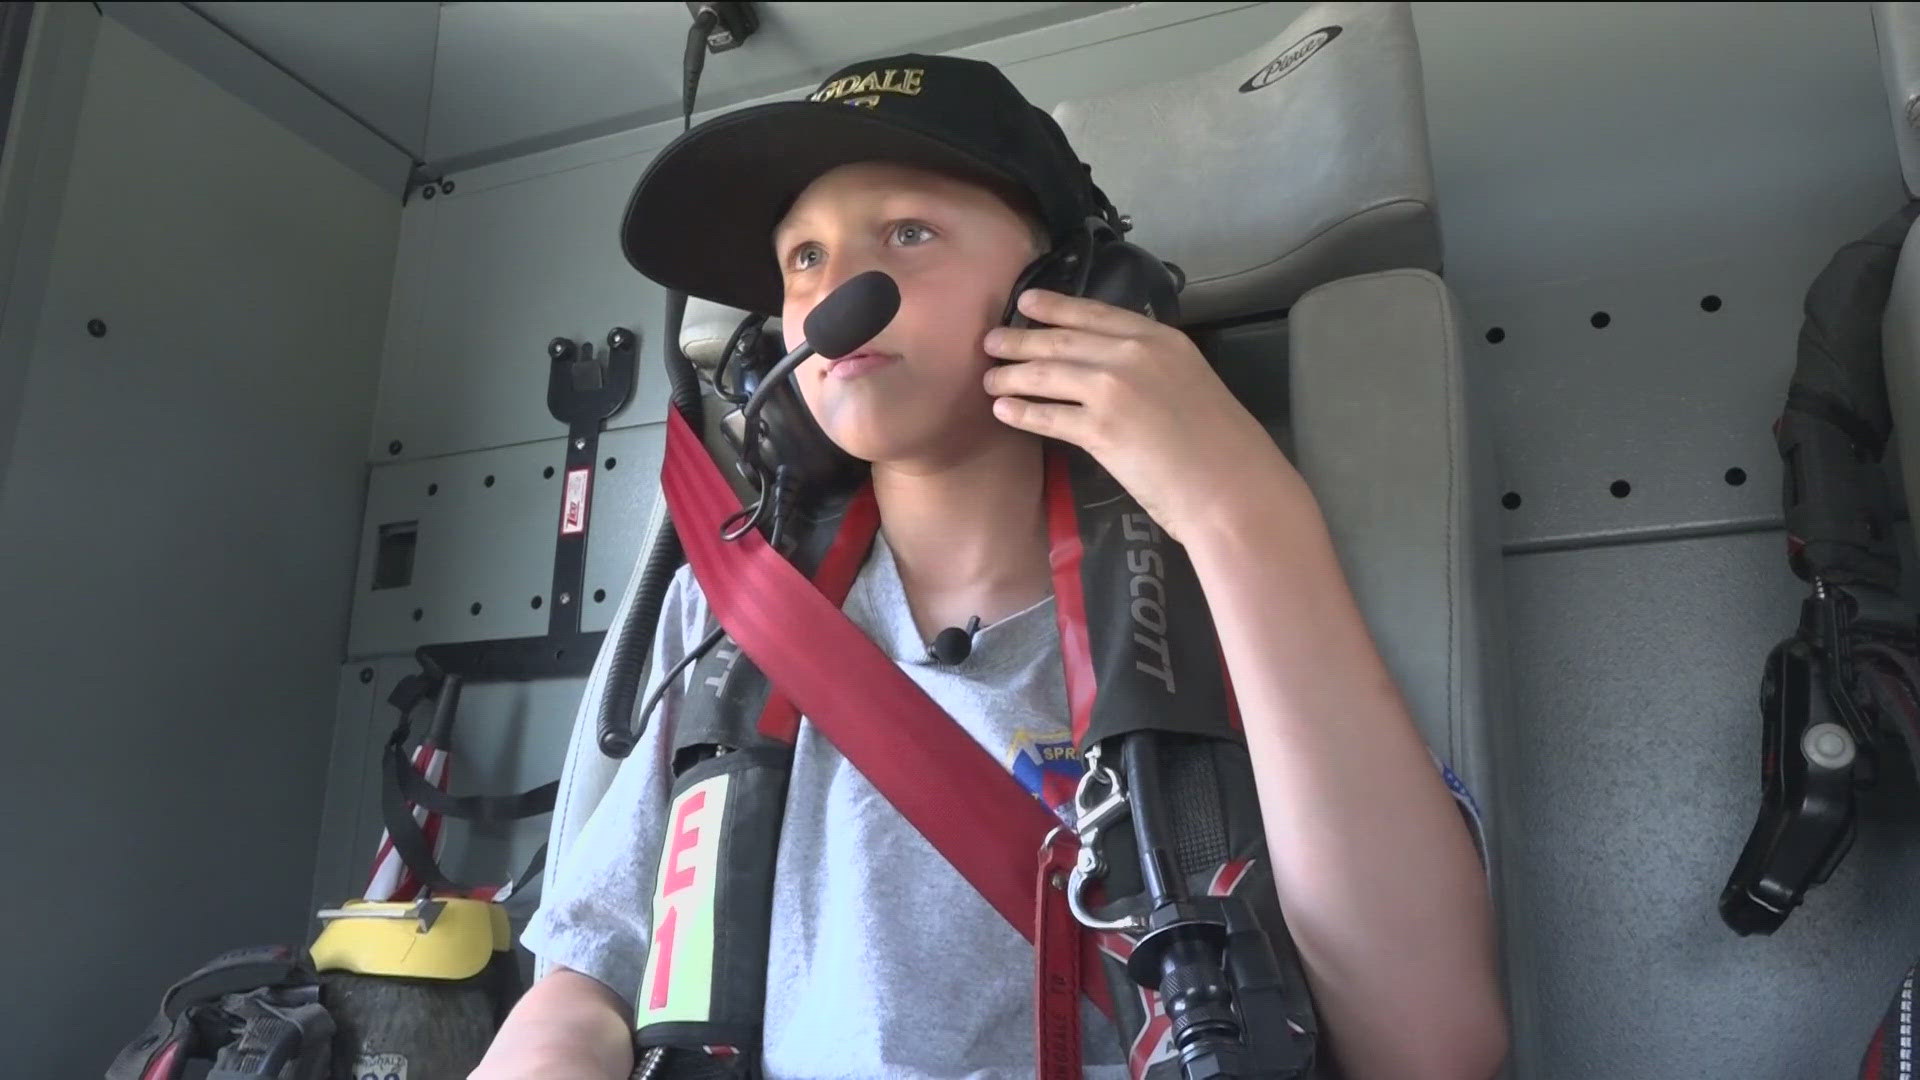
pixel 1088 821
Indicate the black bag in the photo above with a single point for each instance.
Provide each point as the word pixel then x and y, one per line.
pixel 252 1012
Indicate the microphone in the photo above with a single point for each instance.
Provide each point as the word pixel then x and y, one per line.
pixel 848 318
pixel 953 645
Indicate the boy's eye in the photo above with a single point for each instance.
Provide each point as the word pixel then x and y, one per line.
pixel 804 256
pixel 808 255
pixel 910 233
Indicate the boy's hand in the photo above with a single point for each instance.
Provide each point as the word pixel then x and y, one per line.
pixel 1140 398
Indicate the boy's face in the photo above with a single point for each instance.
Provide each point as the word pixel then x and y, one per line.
pixel 913 395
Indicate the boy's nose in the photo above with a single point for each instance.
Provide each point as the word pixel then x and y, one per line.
pixel 840 271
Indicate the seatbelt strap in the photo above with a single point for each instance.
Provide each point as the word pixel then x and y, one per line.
pixel 1060 957
pixel 954 793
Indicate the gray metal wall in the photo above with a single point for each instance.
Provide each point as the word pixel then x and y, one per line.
pixel 176 527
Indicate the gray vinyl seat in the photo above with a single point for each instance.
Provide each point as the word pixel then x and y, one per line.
pixel 1897 30
pixel 1311 243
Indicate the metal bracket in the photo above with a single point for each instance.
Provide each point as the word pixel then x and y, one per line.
pixel 1817 749
pixel 584 389
pixel 737 23
pixel 427 911
pixel 425 179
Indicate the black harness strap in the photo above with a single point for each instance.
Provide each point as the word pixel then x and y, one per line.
pixel 251 1011
pixel 732 725
pixel 403 786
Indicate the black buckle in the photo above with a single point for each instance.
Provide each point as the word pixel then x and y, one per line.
pixel 1817 750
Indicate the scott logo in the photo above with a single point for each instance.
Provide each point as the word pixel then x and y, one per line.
pixel 1148 590
pixel 728 652
pixel 1283 65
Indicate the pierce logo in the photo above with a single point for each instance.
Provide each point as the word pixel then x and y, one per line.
pixel 1296 54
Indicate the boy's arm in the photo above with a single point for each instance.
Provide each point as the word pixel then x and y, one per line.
pixel 568 1026
pixel 1383 890
pixel 594 919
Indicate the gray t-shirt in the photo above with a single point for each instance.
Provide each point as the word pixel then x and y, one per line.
pixel 884 961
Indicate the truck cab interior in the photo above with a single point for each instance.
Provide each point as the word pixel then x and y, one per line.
pixel 329 401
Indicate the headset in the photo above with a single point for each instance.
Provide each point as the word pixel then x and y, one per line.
pixel 1093 261
pixel 1096 263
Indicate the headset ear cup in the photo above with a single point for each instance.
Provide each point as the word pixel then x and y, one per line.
pixel 1029 278
pixel 1129 276
pixel 1096 263
pixel 1065 269
pixel 1053 271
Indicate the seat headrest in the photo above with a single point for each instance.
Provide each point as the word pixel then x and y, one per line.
pixel 706 328
pixel 1300 163
pixel 1897 28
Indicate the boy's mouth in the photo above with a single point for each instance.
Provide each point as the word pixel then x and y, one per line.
pixel 858 363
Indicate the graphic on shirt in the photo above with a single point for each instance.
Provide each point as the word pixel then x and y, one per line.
pixel 1047 765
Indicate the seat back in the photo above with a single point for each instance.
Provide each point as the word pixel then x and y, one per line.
pixel 1323 208
pixel 1301 162
pixel 1896 29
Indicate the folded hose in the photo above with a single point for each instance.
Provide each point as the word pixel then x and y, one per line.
pixel 635 641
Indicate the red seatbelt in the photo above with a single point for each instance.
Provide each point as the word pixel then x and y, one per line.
pixel 954 793
pixel 834 578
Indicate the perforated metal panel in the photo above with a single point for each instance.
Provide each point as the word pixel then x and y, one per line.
pixel 1642 404
pixel 492 544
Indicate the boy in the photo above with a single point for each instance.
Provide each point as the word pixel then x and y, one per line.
pixel 885 962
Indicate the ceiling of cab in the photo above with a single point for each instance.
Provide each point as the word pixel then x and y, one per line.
pixel 462 84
